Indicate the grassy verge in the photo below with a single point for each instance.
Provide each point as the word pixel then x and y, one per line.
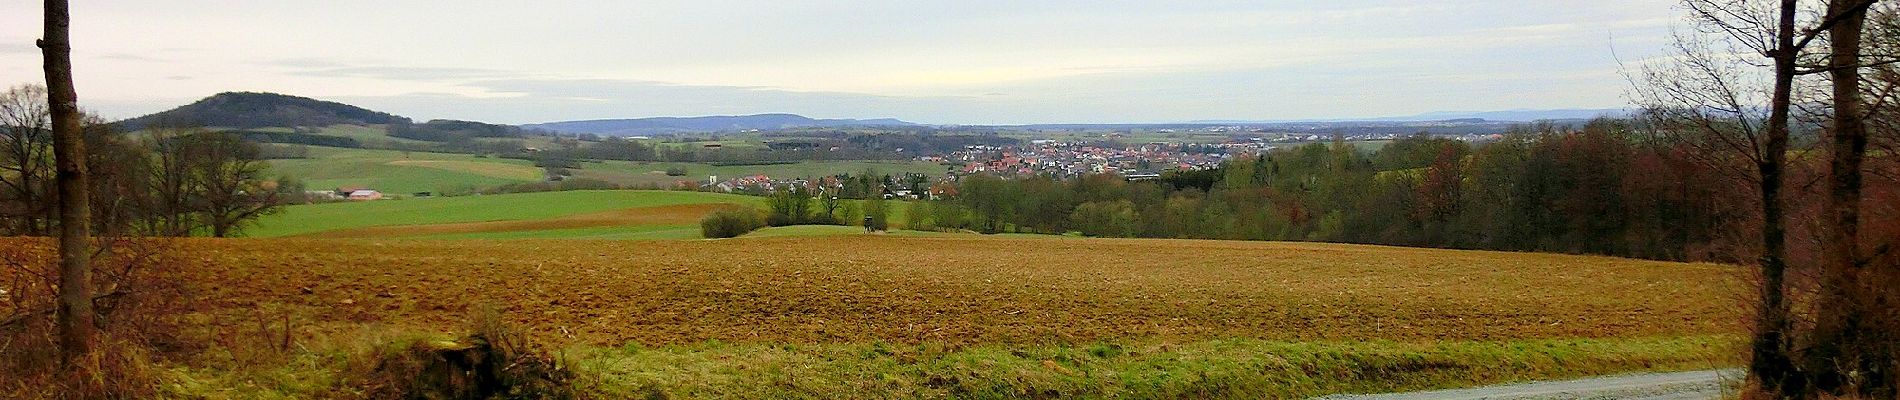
pixel 1237 368
pixel 1230 368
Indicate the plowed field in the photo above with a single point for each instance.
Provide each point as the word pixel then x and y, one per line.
pixel 966 290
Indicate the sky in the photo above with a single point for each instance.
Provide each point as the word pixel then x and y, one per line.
pixel 943 62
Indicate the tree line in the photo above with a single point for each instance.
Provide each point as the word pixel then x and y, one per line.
pixel 166 181
pixel 1608 188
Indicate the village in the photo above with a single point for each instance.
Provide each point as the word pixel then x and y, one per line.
pixel 1055 159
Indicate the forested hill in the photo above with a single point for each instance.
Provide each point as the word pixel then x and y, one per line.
pixel 248 110
pixel 661 125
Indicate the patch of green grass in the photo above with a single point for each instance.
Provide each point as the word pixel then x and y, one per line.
pixel 319 367
pixel 1206 369
pixel 647 232
pixel 1232 368
pixel 401 173
pixel 304 219
pixel 806 230
pixel 832 230
pixel 643 173
pixel 405 172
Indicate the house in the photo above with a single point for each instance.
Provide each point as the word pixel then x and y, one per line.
pixel 366 194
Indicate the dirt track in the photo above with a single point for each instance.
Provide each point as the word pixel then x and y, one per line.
pixel 1692 385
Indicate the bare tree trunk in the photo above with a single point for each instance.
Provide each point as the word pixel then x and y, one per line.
pixel 69 153
pixel 1770 363
pixel 1842 360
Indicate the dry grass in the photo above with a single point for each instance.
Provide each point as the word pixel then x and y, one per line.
pixel 971 290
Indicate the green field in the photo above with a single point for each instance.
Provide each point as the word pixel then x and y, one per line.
pixel 304 219
pixel 602 214
pixel 630 232
pixel 833 230
pixel 646 173
pixel 405 172
pixel 402 172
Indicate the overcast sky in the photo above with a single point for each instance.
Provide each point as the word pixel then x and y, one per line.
pixel 951 61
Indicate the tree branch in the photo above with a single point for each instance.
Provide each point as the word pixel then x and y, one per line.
pixel 23 317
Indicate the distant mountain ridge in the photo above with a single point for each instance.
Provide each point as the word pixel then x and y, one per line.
pixel 249 110
pixel 1517 115
pixel 1525 115
pixel 663 125
pixel 252 110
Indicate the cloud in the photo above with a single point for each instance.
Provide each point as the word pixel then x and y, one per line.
pixel 408 73
pixel 542 100
pixel 10 46
pixel 130 57
pixel 303 62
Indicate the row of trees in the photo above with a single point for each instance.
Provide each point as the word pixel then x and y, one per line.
pixel 825 205
pixel 164 182
pixel 1608 188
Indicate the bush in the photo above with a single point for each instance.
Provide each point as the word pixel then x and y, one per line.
pixel 729 223
pixel 879 214
pixel 496 361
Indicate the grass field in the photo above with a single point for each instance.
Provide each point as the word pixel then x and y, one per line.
pixel 402 173
pixel 593 214
pixel 644 173
pixel 530 211
pixel 875 316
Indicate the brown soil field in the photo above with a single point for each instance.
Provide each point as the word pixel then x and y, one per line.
pixel 685 214
pixel 962 290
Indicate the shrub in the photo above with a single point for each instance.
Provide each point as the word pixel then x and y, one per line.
pixel 730 222
pixel 137 319
pixel 495 361
pixel 879 214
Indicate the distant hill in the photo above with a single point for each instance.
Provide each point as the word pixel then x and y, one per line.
pixel 1514 115
pixel 662 125
pixel 249 110
pixel 1458 117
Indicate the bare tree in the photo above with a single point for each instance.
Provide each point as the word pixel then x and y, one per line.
pixel 1708 99
pixel 1708 96
pixel 1850 354
pixel 26 162
pixel 229 186
pixel 167 202
pixel 69 154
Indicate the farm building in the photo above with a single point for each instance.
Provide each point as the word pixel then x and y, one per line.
pixel 366 194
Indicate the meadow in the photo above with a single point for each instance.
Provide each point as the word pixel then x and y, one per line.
pixel 406 172
pixel 541 207
pixel 580 214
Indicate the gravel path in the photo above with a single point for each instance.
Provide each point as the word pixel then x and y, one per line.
pixel 1694 385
